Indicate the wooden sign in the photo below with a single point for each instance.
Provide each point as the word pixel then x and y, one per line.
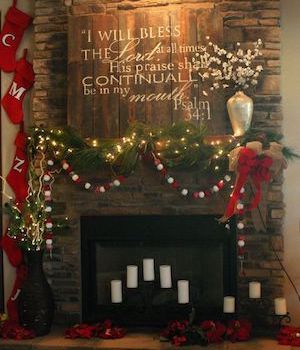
pixel 138 65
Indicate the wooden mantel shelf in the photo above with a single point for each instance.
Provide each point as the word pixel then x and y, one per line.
pixel 132 341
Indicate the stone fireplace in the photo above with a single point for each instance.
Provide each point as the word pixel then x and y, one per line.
pixel 145 194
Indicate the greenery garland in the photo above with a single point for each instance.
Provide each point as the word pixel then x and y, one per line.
pixel 182 145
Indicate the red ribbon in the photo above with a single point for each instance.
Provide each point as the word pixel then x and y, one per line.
pixel 252 166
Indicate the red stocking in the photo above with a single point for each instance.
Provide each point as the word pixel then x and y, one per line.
pixel 13 252
pixel 17 176
pixel 11 35
pixel 13 301
pixel 23 81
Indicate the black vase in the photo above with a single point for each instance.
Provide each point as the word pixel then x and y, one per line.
pixel 36 306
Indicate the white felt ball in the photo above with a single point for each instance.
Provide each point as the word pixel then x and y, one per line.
pixel 240 225
pixel 50 162
pixel 66 166
pixel 49 225
pixel 201 194
pixel 241 243
pixel 102 189
pixel 87 185
pixel 170 180
pixel 159 167
pixel 240 206
pixel 75 177
pixel 184 192
pixel 227 226
pixel 242 190
pixel 48 209
pixel 49 241
pixel 216 188
pixel 116 183
pixel 227 178
pixel 47 177
pixel 47 193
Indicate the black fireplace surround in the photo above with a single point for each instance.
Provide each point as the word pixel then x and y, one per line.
pixel 198 249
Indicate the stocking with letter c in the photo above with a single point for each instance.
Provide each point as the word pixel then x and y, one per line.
pixel 16 22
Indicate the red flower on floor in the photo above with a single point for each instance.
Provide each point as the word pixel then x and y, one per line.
pixel 106 330
pixel 175 328
pixel 238 330
pixel 179 340
pixel 289 336
pixel 80 331
pixel 11 330
pixel 214 331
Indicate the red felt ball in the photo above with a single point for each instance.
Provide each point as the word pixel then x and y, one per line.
pixel 121 178
pixel 175 184
pixel 163 172
pixel 196 195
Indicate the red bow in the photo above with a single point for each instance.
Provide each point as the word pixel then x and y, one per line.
pixel 252 166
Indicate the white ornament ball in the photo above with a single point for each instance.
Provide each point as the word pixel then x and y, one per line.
pixel 201 194
pixel 159 167
pixel 75 177
pixel 242 190
pixel 66 166
pixel 241 243
pixel 227 178
pixel 240 206
pixel 50 162
pixel 102 189
pixel 240 225
pixel 48 209
pixel 116 183
pixel 184 192
pixel 47 193
pixel 170 180
pixel 47 177
pixel 87 185
pixel 215 188
pixel 49 225
pixel 227 226
pixel 49 241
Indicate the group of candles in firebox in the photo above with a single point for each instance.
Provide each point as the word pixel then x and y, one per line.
pixel 182 287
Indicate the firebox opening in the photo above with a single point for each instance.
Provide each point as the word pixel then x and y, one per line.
pixel 197 248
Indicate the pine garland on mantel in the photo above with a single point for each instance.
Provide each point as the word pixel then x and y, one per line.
pixel 182 145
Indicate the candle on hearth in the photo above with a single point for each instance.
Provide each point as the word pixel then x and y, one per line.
pixel 165 276
pixel 116 291
pixel 254 290
pixel 280 306
pixel 229 305
pixel 183 292
pixel 132 276
pixel 148 269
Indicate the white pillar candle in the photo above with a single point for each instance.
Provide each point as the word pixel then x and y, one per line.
pixel 165 276
pixel 229 305
pixel 254 290
pixel 280 306
pixel 183 292
pixel 116 291
pixel 148 269
pixel 132 276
